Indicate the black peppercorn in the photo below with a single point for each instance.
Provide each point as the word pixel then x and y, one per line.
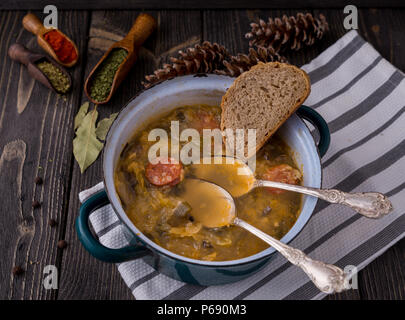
pixel 17 270
pixel 36 204
pixel 38 180
pixel 62 244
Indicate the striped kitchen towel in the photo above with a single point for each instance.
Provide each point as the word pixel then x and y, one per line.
pixel 362 97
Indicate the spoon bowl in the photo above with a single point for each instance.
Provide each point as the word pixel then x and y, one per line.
pixel 205 197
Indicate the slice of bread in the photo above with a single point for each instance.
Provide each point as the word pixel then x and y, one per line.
pixel 263 98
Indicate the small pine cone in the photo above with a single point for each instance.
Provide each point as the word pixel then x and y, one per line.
pixel 205 58
pixel 242 62
pixel 167 72
pixel 288 32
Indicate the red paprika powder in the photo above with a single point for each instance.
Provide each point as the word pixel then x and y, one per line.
pixel 63 48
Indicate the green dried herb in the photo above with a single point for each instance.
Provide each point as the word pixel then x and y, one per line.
pixel 103 77
pixel 55 76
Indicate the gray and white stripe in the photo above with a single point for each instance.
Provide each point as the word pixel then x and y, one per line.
pixel 361 96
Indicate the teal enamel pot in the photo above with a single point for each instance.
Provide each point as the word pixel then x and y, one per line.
pixel 158 100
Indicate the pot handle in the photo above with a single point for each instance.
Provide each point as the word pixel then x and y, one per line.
pixel 317 121
pixel 92 245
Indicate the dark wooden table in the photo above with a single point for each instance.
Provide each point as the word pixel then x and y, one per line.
pixel 36 132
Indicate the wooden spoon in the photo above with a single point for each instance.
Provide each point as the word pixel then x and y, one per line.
pixel 140 31
pixel 21 54
pixel 35 26
pixel 327 277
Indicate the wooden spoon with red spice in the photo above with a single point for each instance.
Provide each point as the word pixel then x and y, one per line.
pixel 53 41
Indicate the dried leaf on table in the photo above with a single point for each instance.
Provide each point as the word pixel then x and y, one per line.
pixel 104 125
pixel 86 146
pixel 81 114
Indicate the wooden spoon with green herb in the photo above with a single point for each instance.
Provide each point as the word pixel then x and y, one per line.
pixel 113 67
pixel 42 68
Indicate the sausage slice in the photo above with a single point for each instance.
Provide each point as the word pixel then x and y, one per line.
pixel 165 171
pixel 281 173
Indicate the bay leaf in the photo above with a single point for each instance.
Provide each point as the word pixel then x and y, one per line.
pixel 104 125
pixel 81 114
pixel 86 146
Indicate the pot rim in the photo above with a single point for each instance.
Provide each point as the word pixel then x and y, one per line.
pixel 151 245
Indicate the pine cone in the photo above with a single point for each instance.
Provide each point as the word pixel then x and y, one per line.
pixel 205 58
pixel 242 62
pixel 288 32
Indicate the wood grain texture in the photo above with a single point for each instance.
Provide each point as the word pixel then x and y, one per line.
pixel 383 28
pixel 384 278
pixel 196 4
pixel 176 29
pixel 35 140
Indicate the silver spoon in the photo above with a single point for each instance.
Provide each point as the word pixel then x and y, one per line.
pixel 327 277
pixel 370 204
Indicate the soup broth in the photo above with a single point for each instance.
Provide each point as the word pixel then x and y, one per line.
pixel 153 195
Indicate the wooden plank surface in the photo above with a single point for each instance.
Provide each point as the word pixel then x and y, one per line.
pixel 36 132
pixel 196 4
pixel 35 140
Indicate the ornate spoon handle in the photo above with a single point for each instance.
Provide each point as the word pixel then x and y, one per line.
pixel 327 277
pixel 370 204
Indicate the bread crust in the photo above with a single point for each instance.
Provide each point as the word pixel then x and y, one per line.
pixel 292 109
